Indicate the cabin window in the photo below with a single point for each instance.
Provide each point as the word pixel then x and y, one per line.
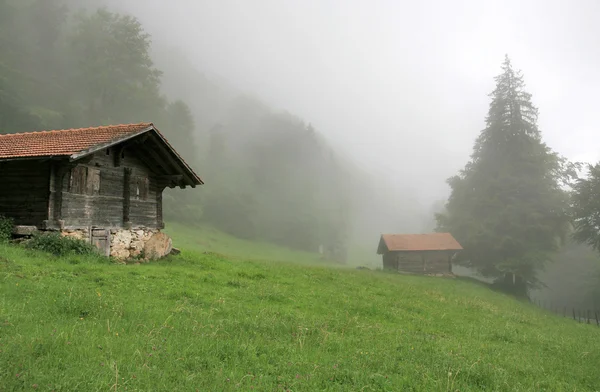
pixel 142 188
pixel 85 181
pixel 108 151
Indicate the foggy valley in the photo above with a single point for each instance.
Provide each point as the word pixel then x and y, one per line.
pixel 318 126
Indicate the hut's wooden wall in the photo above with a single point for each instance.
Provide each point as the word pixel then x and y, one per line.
pixel 390 260
pixel 24 191
pixel 426 262
pixel 102 193
pixel 111 189
pixel 437 262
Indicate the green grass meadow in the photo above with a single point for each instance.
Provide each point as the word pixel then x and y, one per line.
pixel 206 239
pixel 202 321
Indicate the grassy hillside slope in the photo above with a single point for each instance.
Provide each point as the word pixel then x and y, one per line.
pixel 209 323
pixel 206 239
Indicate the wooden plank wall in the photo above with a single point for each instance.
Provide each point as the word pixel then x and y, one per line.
pixel 418 262
pixel 104 206
pixel 410 262
pixel 390 260
pixel 24 191
pixel 437 262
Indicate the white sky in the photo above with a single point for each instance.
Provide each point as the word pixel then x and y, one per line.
pixel 402 86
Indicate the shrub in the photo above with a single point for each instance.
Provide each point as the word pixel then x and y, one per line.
pixel 59 245
pixel 6 227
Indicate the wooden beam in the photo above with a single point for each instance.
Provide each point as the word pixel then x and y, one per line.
pixel 82 161
pixel 126 195
pixel 169 167
pixel 187 169
pixel 149 150
pixel 172 161
pixel 118 151
pixel 171 177
pixel 51 192
pixel 112 143
pixel 159 210
pixel 148 161
pixel 142 139
pixel 120 148
pixel 58 171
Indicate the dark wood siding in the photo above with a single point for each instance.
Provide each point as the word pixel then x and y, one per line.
pixel 390 261
pixel 24 191
pixel 411 262
pixel 101 203
pixel 426 262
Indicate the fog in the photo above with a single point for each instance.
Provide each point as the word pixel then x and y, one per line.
pixel 401 87
pixel 315 124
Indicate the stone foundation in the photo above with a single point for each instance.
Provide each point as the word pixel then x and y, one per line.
pixel 81 234
pixel 139 243
pixel 142 243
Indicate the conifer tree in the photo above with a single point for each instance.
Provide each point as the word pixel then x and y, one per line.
pixel 586 208
pixel 508 207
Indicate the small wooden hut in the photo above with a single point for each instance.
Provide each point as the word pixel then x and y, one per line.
pixel 101 184
pixel 418 253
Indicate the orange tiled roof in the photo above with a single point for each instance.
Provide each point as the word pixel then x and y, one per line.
pixel 420 242
pixel 63 142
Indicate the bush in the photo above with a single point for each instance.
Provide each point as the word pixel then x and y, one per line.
pixel 59 245
pixel 6 227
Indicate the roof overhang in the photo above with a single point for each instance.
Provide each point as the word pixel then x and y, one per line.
pixel 145 141
pixel 176 172
pixel 35 158
pixel 102 146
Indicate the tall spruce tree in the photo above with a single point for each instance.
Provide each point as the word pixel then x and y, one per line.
pixel 508 206
pixel 586 208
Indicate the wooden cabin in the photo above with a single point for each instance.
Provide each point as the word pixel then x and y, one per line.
pixel 418 253
pixel 101 184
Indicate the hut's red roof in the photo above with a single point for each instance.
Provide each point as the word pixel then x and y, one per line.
pixel 77 143
pixel 63 142
pixel 418 242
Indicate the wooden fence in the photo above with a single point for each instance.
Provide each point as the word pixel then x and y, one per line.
pixel 588 316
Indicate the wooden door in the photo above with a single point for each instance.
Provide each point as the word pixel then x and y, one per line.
pixel 101 239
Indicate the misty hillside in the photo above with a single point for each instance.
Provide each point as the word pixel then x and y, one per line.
pixel 318 128
pixel 315 128
pixel 269 174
